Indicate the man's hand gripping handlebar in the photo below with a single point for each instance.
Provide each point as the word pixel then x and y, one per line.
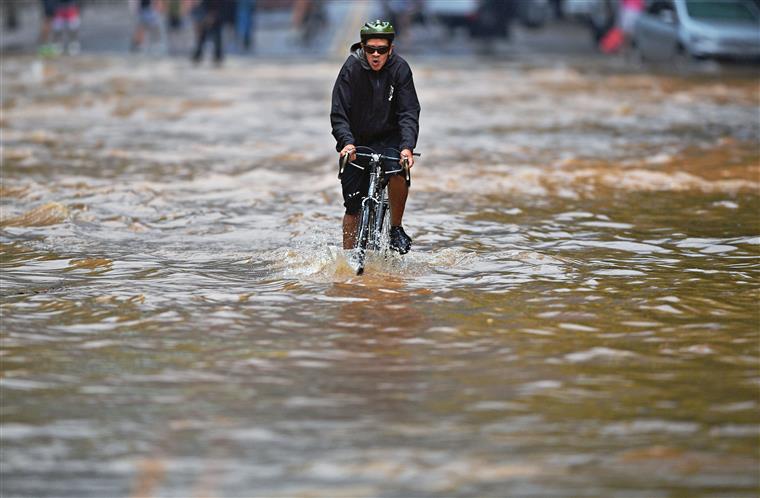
pixel 407 161
pixel 347 154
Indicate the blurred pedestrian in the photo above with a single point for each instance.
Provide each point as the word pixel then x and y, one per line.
pixel 403 14
pixel 211 17
pixel 309 18
pixel 557 8
pixel 175 17
pixel 495 19
pixel 147 20
pixel 66 23
pixel 10 15
pixel 630 10
pixel 244 18
pixel 618 38
pixel 46 48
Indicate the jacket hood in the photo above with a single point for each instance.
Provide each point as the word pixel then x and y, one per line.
pixel 358 52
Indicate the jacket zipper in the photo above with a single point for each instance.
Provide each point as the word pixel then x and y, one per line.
pixel 375 99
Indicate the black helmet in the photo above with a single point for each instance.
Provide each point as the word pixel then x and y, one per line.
pixel 378 29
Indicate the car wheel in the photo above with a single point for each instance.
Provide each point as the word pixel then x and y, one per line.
pixel 634 56
pixel 683 61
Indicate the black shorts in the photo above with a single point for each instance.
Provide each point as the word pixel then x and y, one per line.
pixel 355 181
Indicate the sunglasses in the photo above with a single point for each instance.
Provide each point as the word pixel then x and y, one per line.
pixel 371 49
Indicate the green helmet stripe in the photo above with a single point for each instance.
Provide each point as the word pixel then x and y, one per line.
pixel 377 29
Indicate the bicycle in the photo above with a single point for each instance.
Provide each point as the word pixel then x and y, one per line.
pixel 372 233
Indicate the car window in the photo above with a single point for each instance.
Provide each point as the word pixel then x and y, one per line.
pixel 721 10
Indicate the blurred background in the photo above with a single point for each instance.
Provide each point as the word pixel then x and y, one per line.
pixel 725 29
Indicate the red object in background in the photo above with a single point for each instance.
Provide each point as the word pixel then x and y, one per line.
pixel 68 13
pixel 612 41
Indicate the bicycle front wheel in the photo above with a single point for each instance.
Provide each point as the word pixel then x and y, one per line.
pixel 363 236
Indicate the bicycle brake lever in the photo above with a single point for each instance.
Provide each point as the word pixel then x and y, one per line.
pixel 343 162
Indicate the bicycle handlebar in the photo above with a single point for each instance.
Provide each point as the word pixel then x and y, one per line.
pixel 345 158
pixel 343 163
pixel 383 156
pixel 407 173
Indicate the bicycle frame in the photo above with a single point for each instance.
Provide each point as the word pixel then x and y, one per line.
pixel 373 224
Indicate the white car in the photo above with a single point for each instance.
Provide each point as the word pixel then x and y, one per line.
pixel 672 29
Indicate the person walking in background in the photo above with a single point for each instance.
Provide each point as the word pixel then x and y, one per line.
pixel 46 49
pixel 66 25
pixel 244 18
pixel 10 15
pixel 148 19
pixel 403 14
pixel 174 15
pixel 309 19
pixel 211 19
pixel 175 20
pixel 618 38
pixel 630 10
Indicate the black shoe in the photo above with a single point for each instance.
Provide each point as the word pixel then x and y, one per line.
pixel 400 241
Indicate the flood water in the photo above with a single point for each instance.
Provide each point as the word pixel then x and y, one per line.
pixel 578 317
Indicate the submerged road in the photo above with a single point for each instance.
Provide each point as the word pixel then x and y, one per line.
pixel 578 316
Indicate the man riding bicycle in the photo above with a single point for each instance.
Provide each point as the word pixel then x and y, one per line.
pixel 374 104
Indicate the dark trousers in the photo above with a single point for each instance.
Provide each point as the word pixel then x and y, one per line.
pixel 213 29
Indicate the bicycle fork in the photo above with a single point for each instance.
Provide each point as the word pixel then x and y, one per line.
pixel 369 204
pixel 380 208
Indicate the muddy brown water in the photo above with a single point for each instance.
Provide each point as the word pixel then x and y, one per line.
pixel 579 315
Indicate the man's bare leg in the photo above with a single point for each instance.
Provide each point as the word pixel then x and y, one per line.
pixel 397 194
pixel 350 224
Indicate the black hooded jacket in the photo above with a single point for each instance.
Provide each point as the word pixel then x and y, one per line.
pixel 375 107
